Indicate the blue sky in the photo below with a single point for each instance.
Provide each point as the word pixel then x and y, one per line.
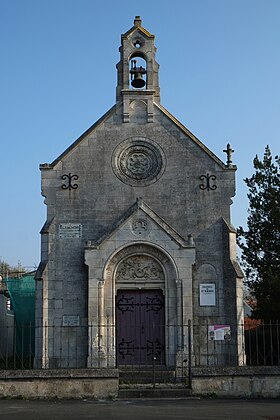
pixel 219 75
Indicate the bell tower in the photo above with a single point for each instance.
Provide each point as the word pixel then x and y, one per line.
pixel 137 71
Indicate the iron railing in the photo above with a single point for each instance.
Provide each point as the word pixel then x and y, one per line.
pixel 28 347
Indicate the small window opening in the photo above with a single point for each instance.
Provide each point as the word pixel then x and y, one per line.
pixel 137 44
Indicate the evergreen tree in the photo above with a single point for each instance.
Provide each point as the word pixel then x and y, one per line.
pixel 260 243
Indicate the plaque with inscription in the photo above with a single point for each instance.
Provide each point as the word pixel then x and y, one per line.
pixel 70 230
pixel 207 294
pixel 70 321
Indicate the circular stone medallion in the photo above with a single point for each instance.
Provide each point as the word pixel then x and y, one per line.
pixel 138 161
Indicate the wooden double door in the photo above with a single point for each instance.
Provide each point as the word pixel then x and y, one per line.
pixel 140 327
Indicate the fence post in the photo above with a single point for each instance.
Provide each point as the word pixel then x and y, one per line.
pixel 154 357
pixel 189 354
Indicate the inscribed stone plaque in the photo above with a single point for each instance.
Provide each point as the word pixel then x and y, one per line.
pixel 70 230
pixel 70 321
pixel 207 294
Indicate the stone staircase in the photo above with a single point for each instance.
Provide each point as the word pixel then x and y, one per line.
pixel 149 383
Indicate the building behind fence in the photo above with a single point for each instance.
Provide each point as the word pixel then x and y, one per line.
pixel 138 237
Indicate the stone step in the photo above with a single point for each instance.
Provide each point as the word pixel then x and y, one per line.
pixel 140 392
pixel 146 376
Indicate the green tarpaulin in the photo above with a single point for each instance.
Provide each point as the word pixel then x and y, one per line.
pixel 22 294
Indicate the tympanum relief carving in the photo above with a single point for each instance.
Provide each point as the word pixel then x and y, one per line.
pixel 139 269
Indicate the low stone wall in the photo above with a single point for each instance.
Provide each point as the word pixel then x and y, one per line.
pixel 59 383
pixel 242 381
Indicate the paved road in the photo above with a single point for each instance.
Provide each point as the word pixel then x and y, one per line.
pixel 143 409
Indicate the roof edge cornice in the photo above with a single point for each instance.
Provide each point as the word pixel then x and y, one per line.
pixel 194 138
pixel 80 139
pixel 137 28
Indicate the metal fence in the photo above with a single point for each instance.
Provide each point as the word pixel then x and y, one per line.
pixel 262 344
pixel 249 345
pixel 27 347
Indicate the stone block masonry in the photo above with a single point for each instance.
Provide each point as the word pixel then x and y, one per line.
pixel 59 383
pixel 238 382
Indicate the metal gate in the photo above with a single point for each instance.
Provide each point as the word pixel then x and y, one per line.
pixel 140 327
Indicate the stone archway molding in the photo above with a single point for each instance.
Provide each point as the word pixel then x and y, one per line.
pixel 144 248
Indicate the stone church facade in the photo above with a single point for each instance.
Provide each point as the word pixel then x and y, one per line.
pixel 138 258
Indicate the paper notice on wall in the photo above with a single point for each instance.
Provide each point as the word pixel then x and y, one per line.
pixel 219 332
pixel 207 294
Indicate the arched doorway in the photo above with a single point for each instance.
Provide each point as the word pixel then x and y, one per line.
pixel 138 266
pixel 142 282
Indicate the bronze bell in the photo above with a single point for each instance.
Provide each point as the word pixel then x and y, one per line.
pixel 137 75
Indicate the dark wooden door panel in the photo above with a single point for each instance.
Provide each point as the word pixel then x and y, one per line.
pixel 140 327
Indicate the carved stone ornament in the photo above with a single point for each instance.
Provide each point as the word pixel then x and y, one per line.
pixel 138 161
pixel 139 268
pixel 140 226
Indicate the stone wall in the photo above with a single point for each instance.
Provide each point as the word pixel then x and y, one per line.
pixel 52 383
pixel 239 382
pixel 242 382
pixel 101 198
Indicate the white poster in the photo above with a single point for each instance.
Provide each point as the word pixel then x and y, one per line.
pixel 218 332
pixel 207 294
